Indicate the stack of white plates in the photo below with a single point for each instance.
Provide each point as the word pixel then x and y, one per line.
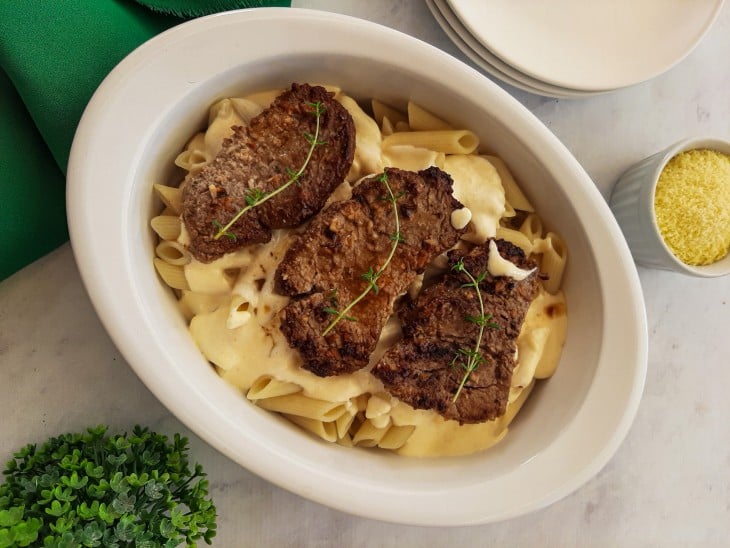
pixel 575 48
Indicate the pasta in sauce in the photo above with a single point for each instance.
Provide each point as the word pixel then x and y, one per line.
pixel 231 304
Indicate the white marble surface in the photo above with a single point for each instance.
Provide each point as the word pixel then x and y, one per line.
pixel 668 485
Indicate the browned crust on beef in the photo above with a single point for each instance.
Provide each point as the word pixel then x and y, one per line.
pixel 258 156
pixel 418 370
pixel 323 267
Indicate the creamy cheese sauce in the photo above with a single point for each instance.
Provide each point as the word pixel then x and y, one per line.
pixel 233 307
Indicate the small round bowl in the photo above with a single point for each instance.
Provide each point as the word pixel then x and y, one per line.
pixel 632 203
pixel 141 117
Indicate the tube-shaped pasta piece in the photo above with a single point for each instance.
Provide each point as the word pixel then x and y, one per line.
pixel 345 441
pixel 368 435
pixel 202 278
pixel 387 128
pixel 377 405
pixel 173 253
pixel 334 90
pixel 221 121
pixel 512 190
pixel 167 227
pixel 193 157
pixel 325 430
pixel 455 141
pixel 422 120
pixel 304 406
pixel 396 437
pixel 554 255
pixel 246 108
pixel 367 159
pixel 515 237
pixel 402 127
pixel 532 227
pixel 172 275
pixel 269 387
pixel 171 196
pixel 264 98
pixel 344 422
pixel 381 111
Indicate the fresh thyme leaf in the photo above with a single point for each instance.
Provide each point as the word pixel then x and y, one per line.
pixel 228 234
pixel 256 196
pixel 397 237
pixel 470 359
pixel 371 276
pixel 93 489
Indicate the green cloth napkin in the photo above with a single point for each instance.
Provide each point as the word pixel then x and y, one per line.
pixel 53 56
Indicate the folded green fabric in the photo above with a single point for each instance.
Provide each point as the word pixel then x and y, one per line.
pixel 54 54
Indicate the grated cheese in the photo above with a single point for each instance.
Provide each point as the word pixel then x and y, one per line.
pixel 692 206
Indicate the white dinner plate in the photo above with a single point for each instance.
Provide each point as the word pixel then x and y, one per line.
pixel 492 64
pixel 589 45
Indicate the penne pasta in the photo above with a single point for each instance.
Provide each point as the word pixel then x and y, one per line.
pixel 222 118
pixel 170 196
pixel 193 157
pixel 264 98
pixel 304 406
pixel 167 227
pixel 421 120
pixel 325 430
pixel 368 139
pixel 396 437
pixel 245 108
pixel 269 387
pixel 368 435
pixel 201 278
pixel 387 128
pixel 173 253
pixel 382 111
pixel 447 141
pixel 554 256
pixel 172 275
pixel 233 308
pixel 516 237
pixel 532 227
pixel 512 190
pixel 343 423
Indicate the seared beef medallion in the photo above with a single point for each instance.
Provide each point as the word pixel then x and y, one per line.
pixel 262 156
pixel 419 369
pixel 323 268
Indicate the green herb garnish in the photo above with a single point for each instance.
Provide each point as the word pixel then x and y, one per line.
pixel 91 489
pixel 371 275
pixel 470 359
pixel 256 196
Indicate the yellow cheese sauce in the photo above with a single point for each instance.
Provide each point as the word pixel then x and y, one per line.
pixel 232 305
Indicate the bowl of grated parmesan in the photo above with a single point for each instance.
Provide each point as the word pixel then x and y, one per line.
pixel 674 208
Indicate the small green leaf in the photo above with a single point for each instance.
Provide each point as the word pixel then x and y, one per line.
pixel 154 490
pixel 57 509
pixel 11 516
pixel 116 460
pixel 123 504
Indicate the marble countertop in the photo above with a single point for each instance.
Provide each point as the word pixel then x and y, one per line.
pixel 669 483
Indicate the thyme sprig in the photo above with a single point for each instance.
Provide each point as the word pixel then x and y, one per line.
pixel 469 359
pixel 255 196
pixel 371 276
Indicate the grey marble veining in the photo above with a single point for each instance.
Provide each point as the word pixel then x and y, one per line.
pixel 669 483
